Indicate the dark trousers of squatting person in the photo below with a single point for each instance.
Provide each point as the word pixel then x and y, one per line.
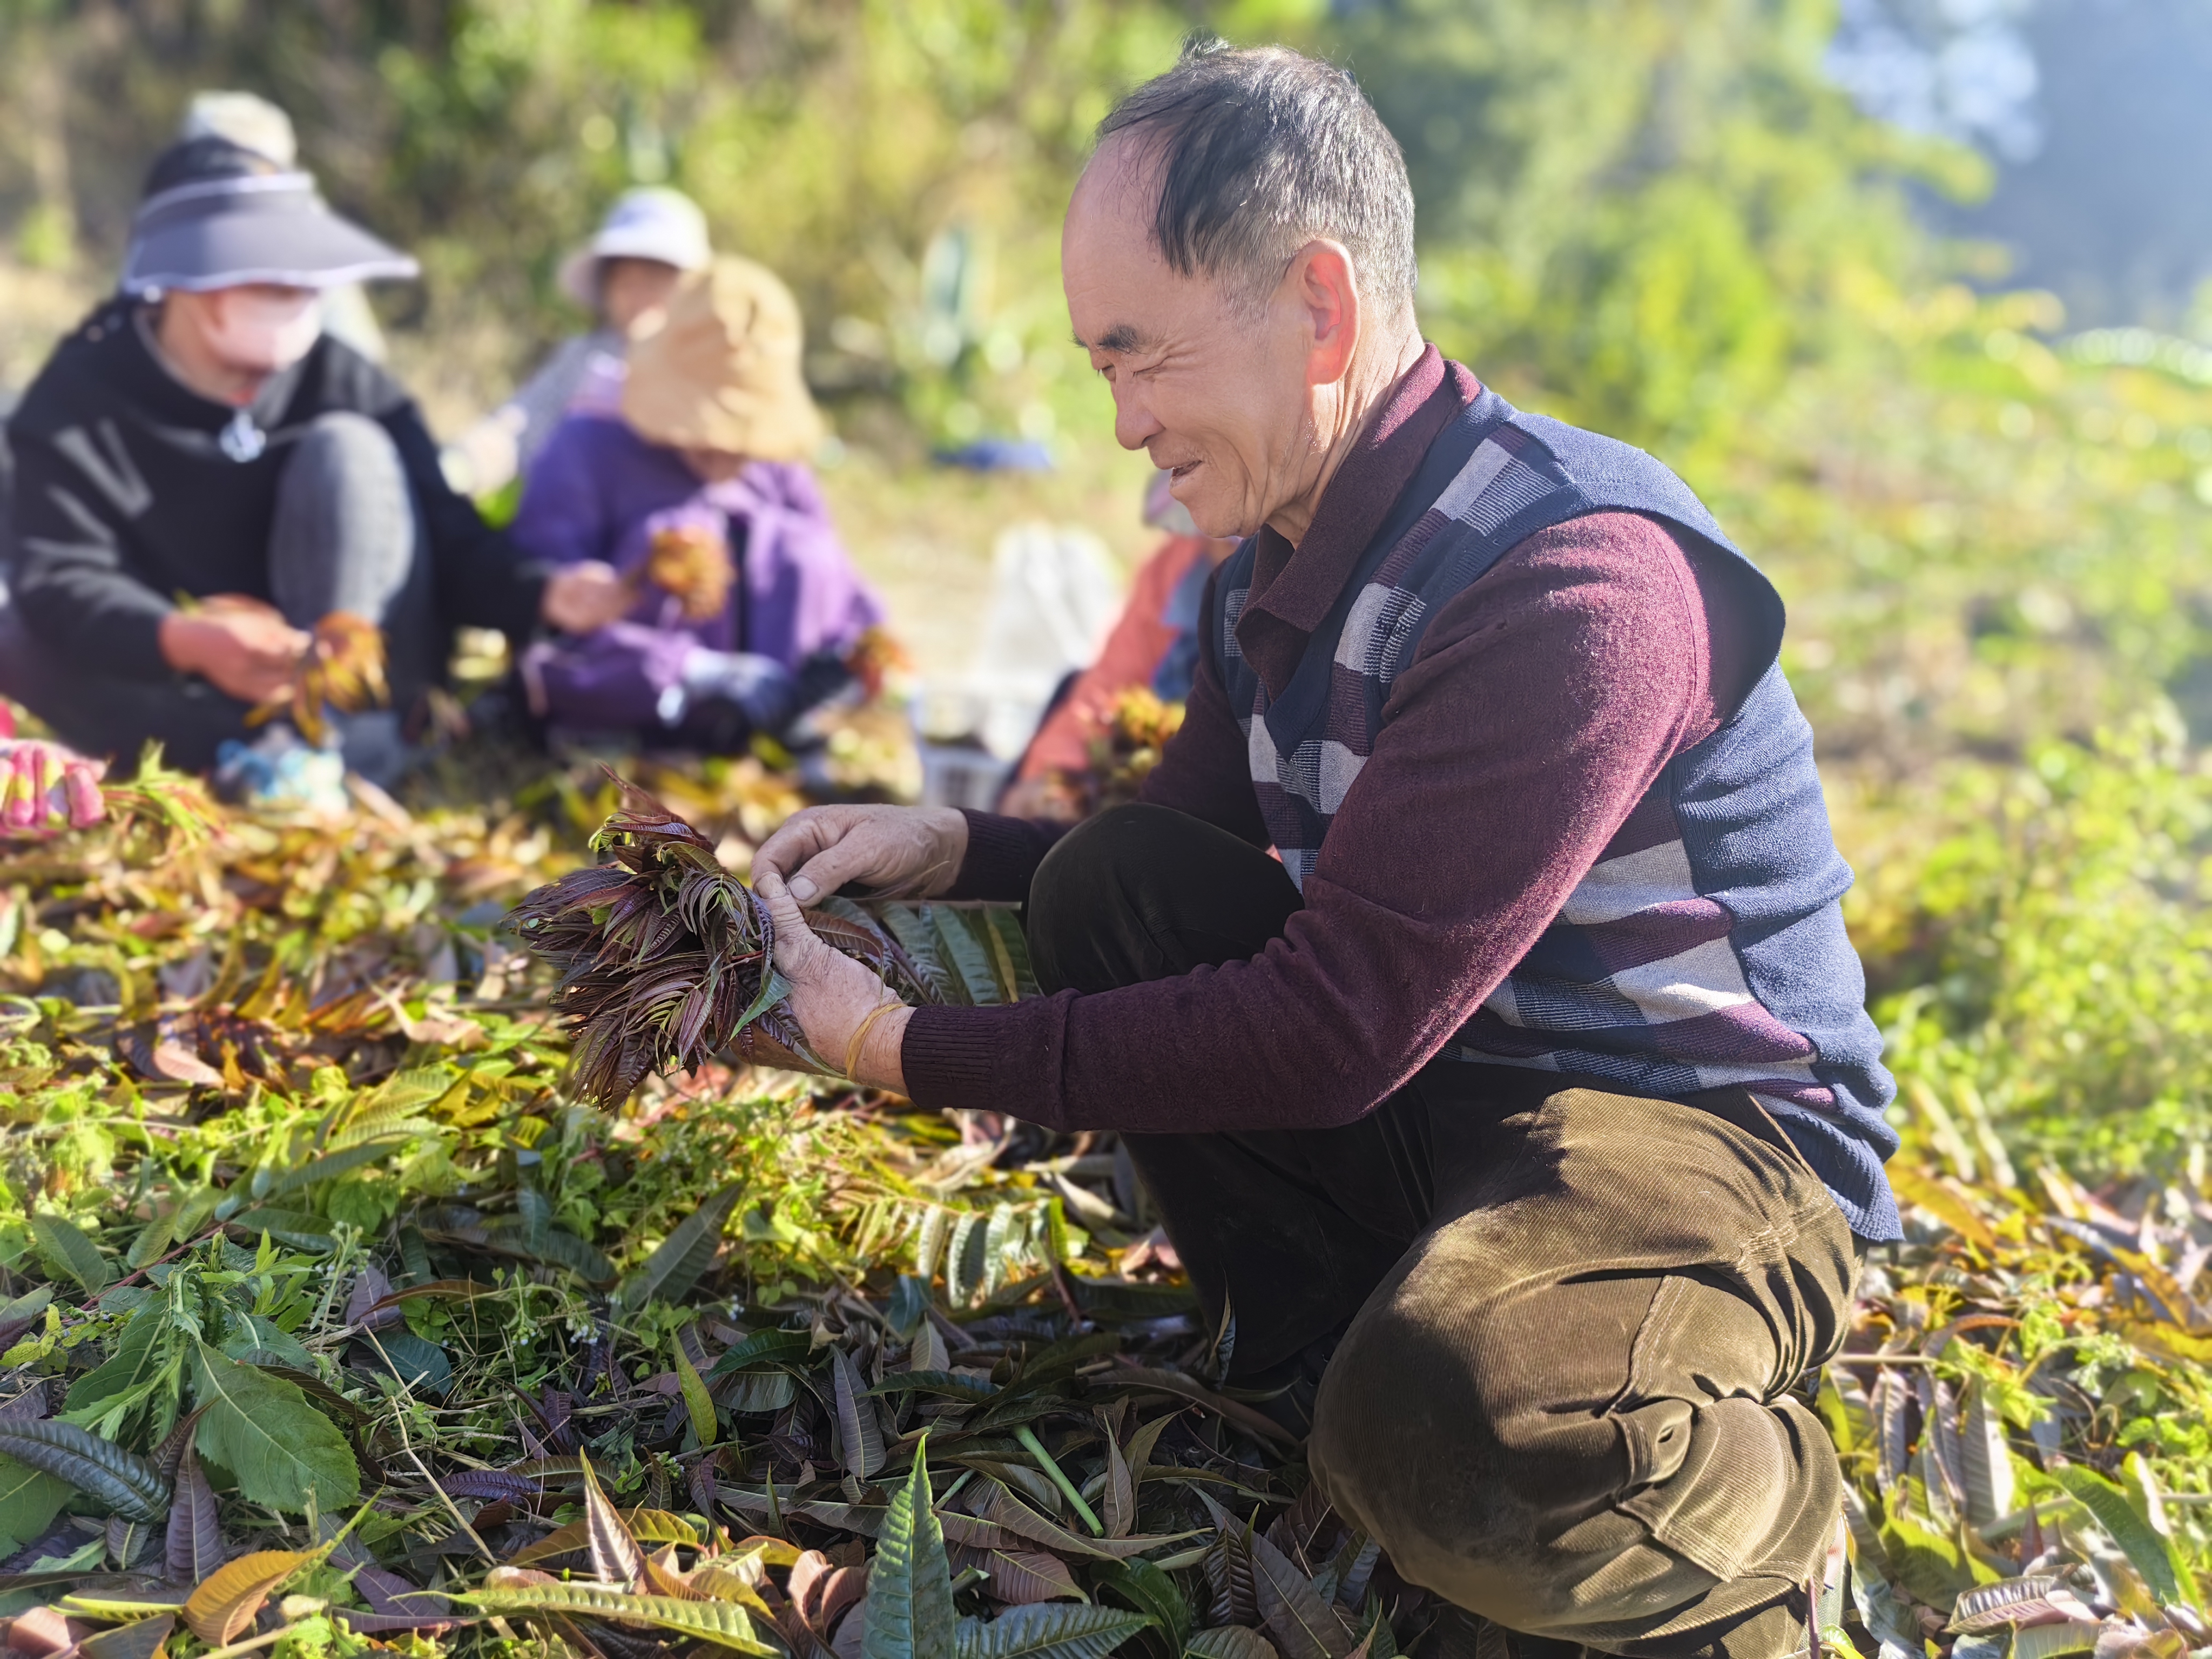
pixel 1546 1333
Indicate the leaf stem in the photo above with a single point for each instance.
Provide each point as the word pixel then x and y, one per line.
pixel 1035 1447
pixel 407 1445
pixel 247 1646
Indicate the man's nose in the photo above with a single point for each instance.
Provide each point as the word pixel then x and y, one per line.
pixel 1134 424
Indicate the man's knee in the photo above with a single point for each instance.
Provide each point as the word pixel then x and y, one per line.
pixel 1083 883
pixel 1466 1429
pixel 1142 892
pixel 1440 1424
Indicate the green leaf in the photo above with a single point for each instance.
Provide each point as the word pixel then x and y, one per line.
pixel 331 1166
pixel 276 1446
pixel 27 1307
pixel 554 1247
pixel 675 1265
pixel 1887 1619
pixel 964 956
pixel 1378 1641
pixel 774 989
pixel 1988 1459
pixel 1927 1563
pixel 1141 1585
pixel 696 1400
pixel 139 1355
pixel 30 1498
pixel 1049 1629
pixel 757 1393
pixel 909 1306
pixel 415 1360
pixel 69 1253
pixel 763 1348
pixel 2043 1641
pixel 152 1239
pixel 2148 1553
pixel 909 925
pixel 125 1482
pixel 723 1623
pixel 909 1606
pixel 1010 949
pixel 378 1113
pixel 302 1230
pixel 258 1341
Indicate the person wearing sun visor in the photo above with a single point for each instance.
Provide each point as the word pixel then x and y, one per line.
pixel 205 477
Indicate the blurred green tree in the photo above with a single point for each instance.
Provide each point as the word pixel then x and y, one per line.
pixel 1653 216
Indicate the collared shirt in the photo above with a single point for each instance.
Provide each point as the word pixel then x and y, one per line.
pixel 1542 704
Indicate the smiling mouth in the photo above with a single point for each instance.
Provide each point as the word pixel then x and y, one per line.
pixel 1184 470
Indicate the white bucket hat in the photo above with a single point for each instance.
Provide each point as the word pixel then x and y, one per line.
pixel 653 222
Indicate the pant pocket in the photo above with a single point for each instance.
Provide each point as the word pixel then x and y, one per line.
pixel 1656 1439
pixel 1730 1493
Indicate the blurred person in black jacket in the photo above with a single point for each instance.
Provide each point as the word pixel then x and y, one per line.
pixel 203 475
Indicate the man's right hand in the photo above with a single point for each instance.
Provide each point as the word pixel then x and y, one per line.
pixel 894 852
pixel 243 646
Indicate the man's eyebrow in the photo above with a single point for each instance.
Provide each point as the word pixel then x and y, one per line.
pixel 1122 337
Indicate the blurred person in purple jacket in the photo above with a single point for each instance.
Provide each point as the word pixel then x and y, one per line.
pixel 748 606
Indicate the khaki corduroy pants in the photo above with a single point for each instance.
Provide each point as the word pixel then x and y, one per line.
pixel 1555 1327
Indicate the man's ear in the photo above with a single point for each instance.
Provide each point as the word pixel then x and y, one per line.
pixel 1319 280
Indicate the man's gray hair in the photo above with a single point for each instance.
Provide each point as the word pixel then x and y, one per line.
pixel 1258 151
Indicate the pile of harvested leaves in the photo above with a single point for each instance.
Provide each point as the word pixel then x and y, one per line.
pixel 331 1318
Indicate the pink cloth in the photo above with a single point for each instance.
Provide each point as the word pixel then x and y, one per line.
pixel 1130 656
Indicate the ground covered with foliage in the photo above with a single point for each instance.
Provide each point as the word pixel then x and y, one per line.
pixel 332 1319
pixel 330 1315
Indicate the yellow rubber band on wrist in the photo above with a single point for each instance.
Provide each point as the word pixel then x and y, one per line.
pixel 860 1032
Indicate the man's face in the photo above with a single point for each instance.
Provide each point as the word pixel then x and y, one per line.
pixel 1217 397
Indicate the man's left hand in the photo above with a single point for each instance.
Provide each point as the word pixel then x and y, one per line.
pixel 831 995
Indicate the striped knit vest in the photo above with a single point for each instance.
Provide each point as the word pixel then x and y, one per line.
pixel 1706 947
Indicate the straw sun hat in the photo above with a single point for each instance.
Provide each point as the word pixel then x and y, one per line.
pixel 722 373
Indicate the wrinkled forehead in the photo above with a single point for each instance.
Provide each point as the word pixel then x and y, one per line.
pixel 1114 203
pixel 1123 177
pixel 1121 292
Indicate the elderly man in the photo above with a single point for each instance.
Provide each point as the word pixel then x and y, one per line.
pixel 1528 1102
